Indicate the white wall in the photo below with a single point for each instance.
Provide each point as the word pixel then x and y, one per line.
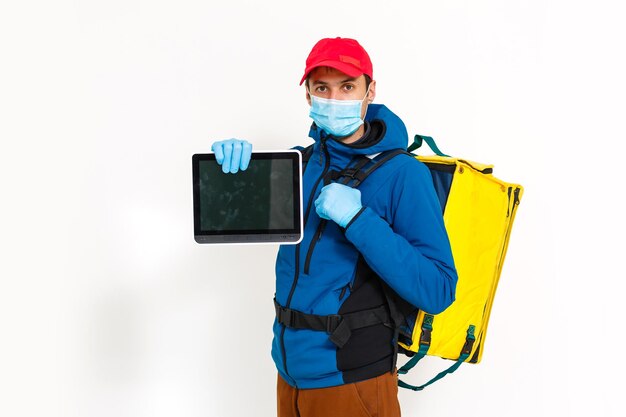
pixel 109 308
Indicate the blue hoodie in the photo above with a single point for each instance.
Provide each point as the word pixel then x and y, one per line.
pixel 399 237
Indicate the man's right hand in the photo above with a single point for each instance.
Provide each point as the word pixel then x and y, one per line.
pixel 232 154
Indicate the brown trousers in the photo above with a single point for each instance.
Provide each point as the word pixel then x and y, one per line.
pixel 376 397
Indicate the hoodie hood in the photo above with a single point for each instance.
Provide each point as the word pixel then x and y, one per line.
pixel 388 130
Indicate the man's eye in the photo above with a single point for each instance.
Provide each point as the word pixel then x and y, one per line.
pixel 348 87
pixel 321 89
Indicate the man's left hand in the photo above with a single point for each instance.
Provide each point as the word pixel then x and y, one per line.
pixel 339 203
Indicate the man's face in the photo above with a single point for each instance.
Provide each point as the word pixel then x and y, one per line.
pixel 326 82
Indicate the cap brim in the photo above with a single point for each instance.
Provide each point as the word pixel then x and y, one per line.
pixel 338 65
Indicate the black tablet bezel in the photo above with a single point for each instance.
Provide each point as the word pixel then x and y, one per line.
pixel 281 236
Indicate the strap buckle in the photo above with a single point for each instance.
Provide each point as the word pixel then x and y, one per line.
pixel 284 315
pixel 349 173
pixel 425 337
pixel 427 328
pixel 332 322
pixel 469 341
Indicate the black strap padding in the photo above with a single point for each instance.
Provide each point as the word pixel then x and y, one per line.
pixel 306 155
pixel 338 326
pixel 379 161
pixel 344 176
pixel 364 171
pixel 356 173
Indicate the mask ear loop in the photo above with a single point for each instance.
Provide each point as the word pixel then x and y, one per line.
pixel 367 105
pixel 367 92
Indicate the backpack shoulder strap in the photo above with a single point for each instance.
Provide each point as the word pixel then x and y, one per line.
pixel 306 155
pixel 362 168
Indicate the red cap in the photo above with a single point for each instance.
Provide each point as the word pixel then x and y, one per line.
pixel 343 54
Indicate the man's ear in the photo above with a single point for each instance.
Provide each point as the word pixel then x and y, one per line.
pixel 308 96
pixel 371 95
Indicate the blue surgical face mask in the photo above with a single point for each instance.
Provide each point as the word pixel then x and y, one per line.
pixel 337 117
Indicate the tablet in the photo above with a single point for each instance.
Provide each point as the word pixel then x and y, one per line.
pixel 262 204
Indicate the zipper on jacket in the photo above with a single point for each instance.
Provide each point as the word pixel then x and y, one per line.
pixel 297 264
pixel 323 222
pixel 282 332
pixel 318 236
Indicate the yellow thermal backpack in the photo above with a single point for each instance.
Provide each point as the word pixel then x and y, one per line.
pixel 478 212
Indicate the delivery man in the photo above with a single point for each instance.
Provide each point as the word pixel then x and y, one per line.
pixel 335 333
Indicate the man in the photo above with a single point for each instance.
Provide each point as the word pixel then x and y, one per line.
pixel 335 338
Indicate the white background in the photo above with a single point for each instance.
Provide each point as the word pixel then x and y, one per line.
pixel 109 308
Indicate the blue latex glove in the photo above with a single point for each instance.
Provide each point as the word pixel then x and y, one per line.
pixel 339 203
pixel 232 154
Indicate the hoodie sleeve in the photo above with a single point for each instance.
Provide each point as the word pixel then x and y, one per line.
pixel 412 255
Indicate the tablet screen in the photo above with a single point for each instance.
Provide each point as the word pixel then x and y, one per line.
pixel 262 204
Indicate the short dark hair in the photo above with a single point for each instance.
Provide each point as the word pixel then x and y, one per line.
pixel 368 81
